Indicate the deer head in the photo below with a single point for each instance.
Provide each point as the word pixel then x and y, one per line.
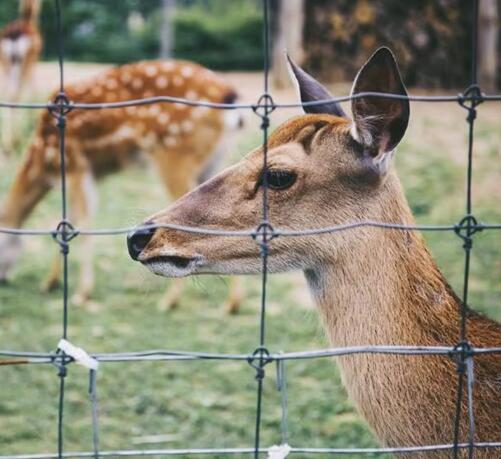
pixel 323 169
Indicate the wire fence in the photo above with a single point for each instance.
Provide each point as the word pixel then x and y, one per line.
pixel 463 352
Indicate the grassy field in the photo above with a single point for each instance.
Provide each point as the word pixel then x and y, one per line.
pixel 212 404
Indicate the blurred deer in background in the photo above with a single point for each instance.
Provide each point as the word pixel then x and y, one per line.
pixel 372 286
pixel 20 46
pixel 180 140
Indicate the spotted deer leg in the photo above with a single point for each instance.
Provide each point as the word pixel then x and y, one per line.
pixel 82 208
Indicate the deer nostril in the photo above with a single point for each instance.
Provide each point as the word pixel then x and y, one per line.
pixel 138 240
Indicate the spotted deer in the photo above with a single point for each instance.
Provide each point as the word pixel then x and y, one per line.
pixel 20 46
pixel 372 286
pixel 179 139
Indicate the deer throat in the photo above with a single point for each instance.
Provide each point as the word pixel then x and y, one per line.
pixel 390 292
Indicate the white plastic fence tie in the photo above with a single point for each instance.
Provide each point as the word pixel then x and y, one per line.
pixel 279 451
pixel 78 354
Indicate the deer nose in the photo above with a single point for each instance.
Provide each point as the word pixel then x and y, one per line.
pixel 138 240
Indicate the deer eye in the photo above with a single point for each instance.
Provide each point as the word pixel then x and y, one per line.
pixel 279 180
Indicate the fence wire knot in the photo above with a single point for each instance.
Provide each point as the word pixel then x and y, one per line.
pixel 263 234
pixel 59 108
pixel 60 360
pixel 63 234
pixel 470 99
pixel 461 352
pixel 466 228
pixel 263 108
pixel 262 356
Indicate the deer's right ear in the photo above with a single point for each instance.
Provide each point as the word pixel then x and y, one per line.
pixel 310 90
pixel 379 123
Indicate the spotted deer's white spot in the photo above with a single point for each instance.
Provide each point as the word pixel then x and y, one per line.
pixel 123 94
pixel 137 83
pixel 111 84
pixel 163 118
pixel 148 141
pixel 154 109
pixel 173 128
pixel 170 141
pixel 119 135
pixel 180 107
pixel 187 71
pixel 161 82
pixel 200 112
pixel 167 66
pixel 147 94
pixel 178 80
pixel 191 95
pixel 187 126
pixel 125 77
pixel 50 154
pixel 150 70
pixel 130 110
pixel 37 142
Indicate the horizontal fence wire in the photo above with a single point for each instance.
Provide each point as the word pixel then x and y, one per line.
pixel 20 357
pixel 251 451
pixel 73 232
pixel 459 98
pixel 463 352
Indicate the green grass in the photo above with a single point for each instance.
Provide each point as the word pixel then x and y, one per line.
pixel 210 404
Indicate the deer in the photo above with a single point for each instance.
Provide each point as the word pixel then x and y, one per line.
pixel 20 47
pixel 182 142
pixel 372 286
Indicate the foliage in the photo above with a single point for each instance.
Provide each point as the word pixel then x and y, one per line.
pixel 229 37
pixel 218 34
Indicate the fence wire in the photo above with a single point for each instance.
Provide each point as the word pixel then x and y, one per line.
pixel 463 352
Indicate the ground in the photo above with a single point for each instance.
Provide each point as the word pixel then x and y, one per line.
pixel 212 404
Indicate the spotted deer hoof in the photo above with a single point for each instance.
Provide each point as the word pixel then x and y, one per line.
pixel 232 306
pixel 49 285
pixel 80 298
pixel 168 304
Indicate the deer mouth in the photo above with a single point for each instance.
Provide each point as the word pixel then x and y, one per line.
pixel 172 265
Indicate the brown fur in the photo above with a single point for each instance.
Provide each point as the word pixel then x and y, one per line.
pixel 179 139
pixel 372 286
pixel 18 62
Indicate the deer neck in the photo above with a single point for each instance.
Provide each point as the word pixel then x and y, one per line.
pixel 384 287
pixel 387 290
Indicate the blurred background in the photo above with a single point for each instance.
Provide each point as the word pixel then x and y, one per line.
pixel 200 404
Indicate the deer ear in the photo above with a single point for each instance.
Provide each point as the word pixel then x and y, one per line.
pixel 310 90
pixel 379 123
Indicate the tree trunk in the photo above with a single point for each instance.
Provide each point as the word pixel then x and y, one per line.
pixel 166 32
pixel 488 33
pixel 288 37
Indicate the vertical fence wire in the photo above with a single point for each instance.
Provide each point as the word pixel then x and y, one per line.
pixel 62 238
pixel 465 362
pixel 263 229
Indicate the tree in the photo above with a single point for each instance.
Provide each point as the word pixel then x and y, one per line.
pixel 166 29
pixel 288 37
pixel 488 49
